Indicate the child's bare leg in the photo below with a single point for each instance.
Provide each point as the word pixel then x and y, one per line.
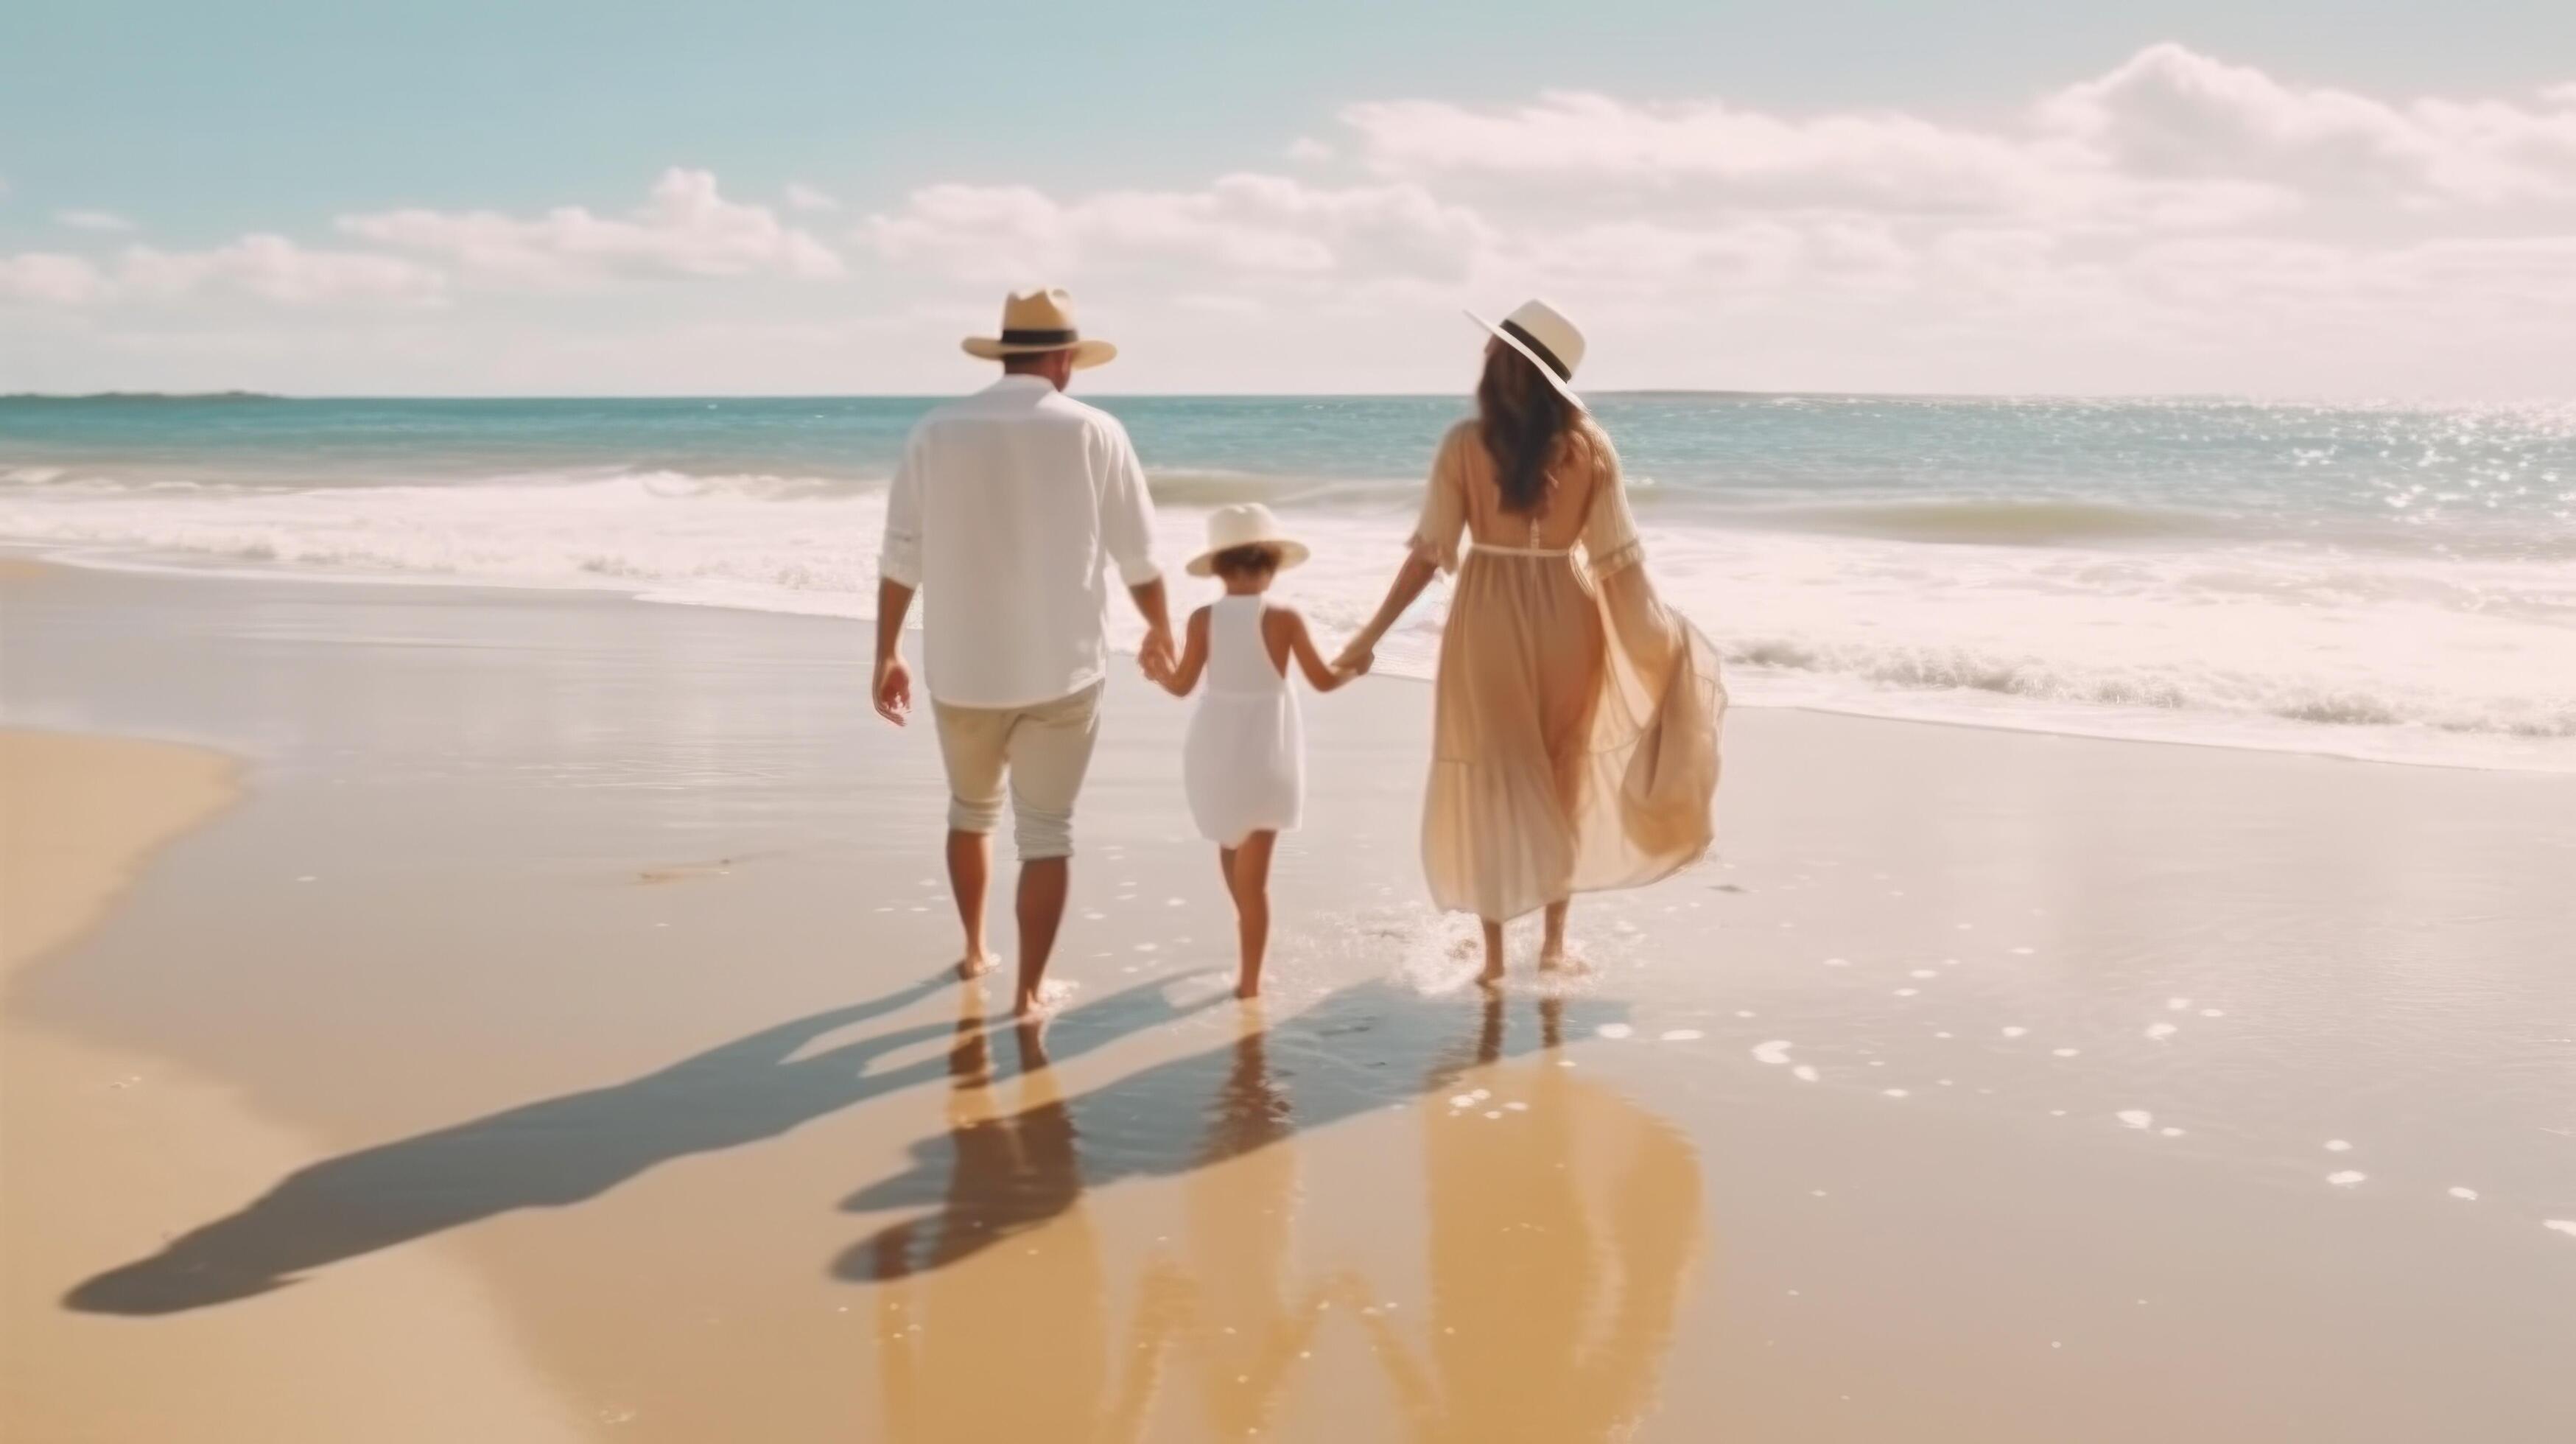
pixel 1250 878
pixel 1493 972
pixel 1551 950
pixel 970 869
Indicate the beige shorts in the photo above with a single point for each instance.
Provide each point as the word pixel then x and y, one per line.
pixel 1044 750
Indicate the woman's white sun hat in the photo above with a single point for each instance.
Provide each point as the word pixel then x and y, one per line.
pixel 1542 333
pixel 1248 525
pixel 1034 321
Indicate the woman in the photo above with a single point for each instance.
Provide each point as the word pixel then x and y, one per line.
pixel 1575 731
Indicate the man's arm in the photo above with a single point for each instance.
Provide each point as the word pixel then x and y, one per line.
pixel 894 680
pixel 1155 652
pixel 898 577
pixel 1127 531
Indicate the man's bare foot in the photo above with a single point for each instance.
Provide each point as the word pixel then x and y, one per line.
pixel 976 965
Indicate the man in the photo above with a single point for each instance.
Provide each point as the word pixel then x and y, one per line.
pixel 1009 508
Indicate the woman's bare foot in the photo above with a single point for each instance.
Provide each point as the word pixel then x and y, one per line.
pixel 1042 1004
pixel 1559 960
pixel 1248 989
pixel 976 965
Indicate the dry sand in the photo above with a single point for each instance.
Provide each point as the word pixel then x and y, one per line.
pixel 102 1147
pixel 581 961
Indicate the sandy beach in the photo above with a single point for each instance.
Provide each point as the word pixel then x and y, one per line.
pixel 501 1015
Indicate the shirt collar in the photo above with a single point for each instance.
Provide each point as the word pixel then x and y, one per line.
pixel 1019 381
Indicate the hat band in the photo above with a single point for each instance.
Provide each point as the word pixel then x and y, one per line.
pixel 1539 349
pixel 1028 336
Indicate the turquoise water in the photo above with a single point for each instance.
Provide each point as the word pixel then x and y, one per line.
pixel 2386 581
pixel 2501 479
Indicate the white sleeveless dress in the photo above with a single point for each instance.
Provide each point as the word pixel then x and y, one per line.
pixel 1245 763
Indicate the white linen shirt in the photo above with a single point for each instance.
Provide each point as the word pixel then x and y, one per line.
pixel 1005 515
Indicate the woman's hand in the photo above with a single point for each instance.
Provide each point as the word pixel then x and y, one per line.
pixel 1357 658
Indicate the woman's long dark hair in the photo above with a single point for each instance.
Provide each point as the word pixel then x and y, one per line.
pixel 1521 418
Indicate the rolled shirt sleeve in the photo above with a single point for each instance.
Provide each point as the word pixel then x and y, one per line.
pixel 899 556
pixel 1126 508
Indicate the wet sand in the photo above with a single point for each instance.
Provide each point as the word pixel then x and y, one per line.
pixel 585 955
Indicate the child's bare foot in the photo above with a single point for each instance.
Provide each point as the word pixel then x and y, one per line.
pixel 976 965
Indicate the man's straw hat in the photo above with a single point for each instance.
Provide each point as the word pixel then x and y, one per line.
pixel 1037 321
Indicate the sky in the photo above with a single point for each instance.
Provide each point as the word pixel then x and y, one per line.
pixel 2299 198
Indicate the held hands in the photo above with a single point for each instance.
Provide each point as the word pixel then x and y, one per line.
pixel 1156 657
pixel 1356 659
pixel 893 690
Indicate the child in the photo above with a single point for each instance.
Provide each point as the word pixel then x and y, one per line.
pixel 1245 763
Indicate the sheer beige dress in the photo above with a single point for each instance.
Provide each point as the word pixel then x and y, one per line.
pixel 1574 743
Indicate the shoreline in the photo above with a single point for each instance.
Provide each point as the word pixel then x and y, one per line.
pixel 594 955
pixel 2294 738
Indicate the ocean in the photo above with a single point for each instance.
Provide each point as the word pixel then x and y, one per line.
pixel 2384 582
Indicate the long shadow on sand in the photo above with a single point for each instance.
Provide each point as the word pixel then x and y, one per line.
pixel 559 1151
pixel 1370 1046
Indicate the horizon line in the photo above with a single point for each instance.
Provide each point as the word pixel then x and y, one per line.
pixel 2247 397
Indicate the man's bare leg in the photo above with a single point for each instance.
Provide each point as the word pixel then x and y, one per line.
pixel 1044 885
pixel 970 874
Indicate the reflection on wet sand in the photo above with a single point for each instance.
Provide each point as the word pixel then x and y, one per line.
pixel 1015 1340
pixel 1561 1235
pixel 1561 1242
pixel 1244 1338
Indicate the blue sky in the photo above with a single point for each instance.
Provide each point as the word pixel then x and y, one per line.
pixel 1707 174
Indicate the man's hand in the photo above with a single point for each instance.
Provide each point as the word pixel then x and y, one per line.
pixel 1155 654
pixel 894 690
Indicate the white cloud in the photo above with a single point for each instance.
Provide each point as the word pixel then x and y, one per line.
pixel 2172 112
pixel 1244 224
pixel 1708 150
pixel 2168 137
pixel 274 268
pixel 50 279
pixel 1306 150
pixel 265 267
pixel 687 228
pixel 85 220
pixel 2175 221
pixel 803 197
